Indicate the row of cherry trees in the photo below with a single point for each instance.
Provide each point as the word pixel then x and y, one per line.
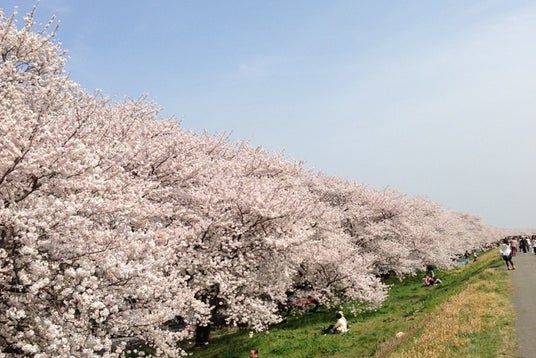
pixel 113 221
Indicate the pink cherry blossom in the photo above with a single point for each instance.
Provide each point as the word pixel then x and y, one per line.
pixel 114 221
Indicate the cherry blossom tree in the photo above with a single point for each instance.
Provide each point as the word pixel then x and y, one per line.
pixel 402 234
pixel 332 267
pixel 114 221
pixel 83 259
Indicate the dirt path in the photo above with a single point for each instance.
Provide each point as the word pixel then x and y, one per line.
pixel 524 299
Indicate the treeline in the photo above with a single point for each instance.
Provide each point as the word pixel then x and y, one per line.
pixel 114 221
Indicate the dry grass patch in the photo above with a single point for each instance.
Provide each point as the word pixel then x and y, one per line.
pixel 478 318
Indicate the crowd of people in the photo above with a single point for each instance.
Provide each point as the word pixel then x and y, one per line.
pixel 511 246
pixel 525 243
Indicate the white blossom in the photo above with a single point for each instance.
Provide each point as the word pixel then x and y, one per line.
pixel 114 220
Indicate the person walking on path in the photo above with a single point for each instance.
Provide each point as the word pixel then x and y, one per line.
pixel 506 253
pixel 513 246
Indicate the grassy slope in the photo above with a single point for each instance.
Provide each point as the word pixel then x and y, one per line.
pixel 410 308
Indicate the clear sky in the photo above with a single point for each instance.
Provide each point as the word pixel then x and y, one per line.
pixel 430 98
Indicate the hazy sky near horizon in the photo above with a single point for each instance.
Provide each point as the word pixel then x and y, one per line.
pixel 430 98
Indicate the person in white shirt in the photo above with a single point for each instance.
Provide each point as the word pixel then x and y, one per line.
pixel 506 253
pixel 341 325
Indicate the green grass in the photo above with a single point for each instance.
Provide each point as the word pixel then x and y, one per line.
pixel 476 322
pixel 372 332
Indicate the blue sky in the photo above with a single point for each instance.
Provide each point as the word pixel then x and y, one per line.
pixel 430 98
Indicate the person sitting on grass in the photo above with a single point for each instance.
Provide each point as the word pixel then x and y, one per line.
pixel 430 280
pixel 341 326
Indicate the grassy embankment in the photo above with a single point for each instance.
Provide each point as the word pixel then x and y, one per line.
pixel 469 315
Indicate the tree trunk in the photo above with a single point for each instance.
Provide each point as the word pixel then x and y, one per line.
pixel 202 334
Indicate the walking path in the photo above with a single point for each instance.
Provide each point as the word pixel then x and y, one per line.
pixel 524 300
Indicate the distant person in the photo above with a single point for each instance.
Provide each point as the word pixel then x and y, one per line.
pixel 427 280
pixel 513 246
pixel 253 353
pixel 523 244
pixel 430 280
pixel 475 256
pixel 341 326
pixel 430 270
pixel 505 250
